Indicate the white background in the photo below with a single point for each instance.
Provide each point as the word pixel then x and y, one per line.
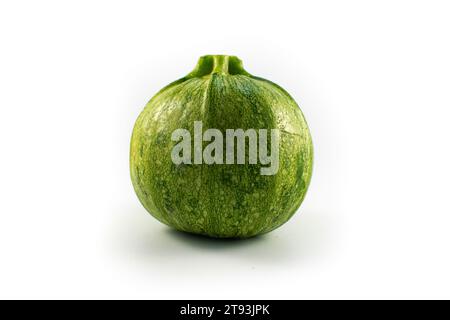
pixel 372 78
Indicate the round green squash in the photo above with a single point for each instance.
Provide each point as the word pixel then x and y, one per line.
pixel 219 199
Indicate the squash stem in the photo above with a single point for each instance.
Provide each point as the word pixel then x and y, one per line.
pixel 220 64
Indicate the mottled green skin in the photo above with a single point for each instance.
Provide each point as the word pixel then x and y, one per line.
pixel 219 200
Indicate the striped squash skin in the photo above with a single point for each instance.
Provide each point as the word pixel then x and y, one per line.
pixel 220 200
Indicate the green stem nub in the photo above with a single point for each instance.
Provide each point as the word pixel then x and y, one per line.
pixel 218 64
